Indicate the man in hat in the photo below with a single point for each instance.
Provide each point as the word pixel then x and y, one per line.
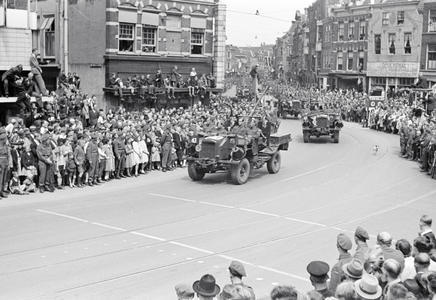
pixel 343 244
pixel 360 238
pixel 368 288
pixel 167 144
pixel 237 271
pixel 184 291
pixel 206 288
pixel 353 270
pixel 227 292
pixel 92 157
pixel 45 161
pixel 4 159
pixel 318 271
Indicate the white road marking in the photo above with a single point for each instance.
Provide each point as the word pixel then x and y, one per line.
pixel 107 226
pixel 191 247
pixel 171 197
pixel 62 215
pixel 308 222
pixel 259 212
pixel 215 204
pixel 148 236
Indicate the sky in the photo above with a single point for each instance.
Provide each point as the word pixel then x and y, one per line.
pixel 245 28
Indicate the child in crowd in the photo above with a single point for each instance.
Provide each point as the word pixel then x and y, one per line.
pixel 71 169
pixel 29 185
pixel 14 185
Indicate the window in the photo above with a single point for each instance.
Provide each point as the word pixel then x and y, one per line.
pixel 431 56
pixel 149 34
pixel 362 31
pixel 379 80
pixel 350 60
pixel 49 39
pixel 391 43
pixel 385 19
pixel 126 38
pixel 351 31
pixel 432 21
pixel 406 81
pixel 400 18
pixel 407 43
pixel 361 60
pixel 197 38
pixel 377 44
pixel 15 4
pixel 340 60
pixel 341 32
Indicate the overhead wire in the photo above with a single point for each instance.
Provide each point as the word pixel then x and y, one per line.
pixel 259 15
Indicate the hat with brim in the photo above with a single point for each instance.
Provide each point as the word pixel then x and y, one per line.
pixel 227 292
pixel 353 269
pixel 368 287
pixel 206 286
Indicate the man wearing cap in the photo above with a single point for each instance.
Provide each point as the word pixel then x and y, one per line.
pixel 184 291
pixel 45 161
pixel 318 271
pixel 92 157
pixel 206 288
pixel 120 155
pixel 360 237
pixel 343 244
pixel 237 271
pixel 368 288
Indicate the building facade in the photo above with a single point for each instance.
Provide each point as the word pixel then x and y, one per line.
pixel 428 49
pixel 394 44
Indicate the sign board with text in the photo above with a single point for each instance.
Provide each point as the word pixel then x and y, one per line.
pixel 393 69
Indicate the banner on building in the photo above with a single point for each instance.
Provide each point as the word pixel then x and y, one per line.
pixel 393 69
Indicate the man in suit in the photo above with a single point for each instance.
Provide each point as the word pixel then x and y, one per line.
pixel 120 155
pixel 425 226
pixel 92 157
pixel 37 71
pixel 384 240
pixel 167 144
pixel 9 77
pixel 45 158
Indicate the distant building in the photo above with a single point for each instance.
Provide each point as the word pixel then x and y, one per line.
pixel 428 49
pixel 394 44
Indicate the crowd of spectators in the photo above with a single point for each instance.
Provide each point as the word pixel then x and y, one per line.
pixel 145 85
pixel 389 271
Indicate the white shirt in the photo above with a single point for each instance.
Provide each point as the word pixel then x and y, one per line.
pixel 409 271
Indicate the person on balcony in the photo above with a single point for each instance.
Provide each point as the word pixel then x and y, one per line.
pixel 9 77
pixel 37 71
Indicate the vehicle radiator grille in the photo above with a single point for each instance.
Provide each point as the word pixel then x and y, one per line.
pixel 321 122
pixel 207 150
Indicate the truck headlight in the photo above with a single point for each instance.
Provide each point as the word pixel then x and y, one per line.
pixel 198 148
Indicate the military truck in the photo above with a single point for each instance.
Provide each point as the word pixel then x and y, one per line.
pixel 289 108
pixel 321 124
pixel 237 152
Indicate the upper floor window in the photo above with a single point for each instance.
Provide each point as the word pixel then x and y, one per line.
pixel 391 43
pixel 126 37
pixel 351 31
pixel 362 31
pixel 197 41
pixel 350 60
pixel 15 4
pixel 341 32
pixel 49 39
pixel 432 20
pixel 377 44
pixel 431 56
pixel 361 60
pixel 400 18
pixel 385 19
pixel 407 43
pixel 340 60
pixel 149 37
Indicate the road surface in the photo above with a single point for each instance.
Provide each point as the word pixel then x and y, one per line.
pixel 137 238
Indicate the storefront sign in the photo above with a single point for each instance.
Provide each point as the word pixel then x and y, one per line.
pixel 393 69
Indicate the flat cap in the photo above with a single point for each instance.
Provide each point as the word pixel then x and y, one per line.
pixel 236 268
pixel 318 269
pixel 361 233
pixel 45 137
pixel 184 290
pixel 344 241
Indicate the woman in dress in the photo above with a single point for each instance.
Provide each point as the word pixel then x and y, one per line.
pixel 137 154
pixel 130 160
pixel 144 154
pixel 109 167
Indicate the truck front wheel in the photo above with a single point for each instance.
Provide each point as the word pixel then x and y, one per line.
pixel 240 172
pixel 194 173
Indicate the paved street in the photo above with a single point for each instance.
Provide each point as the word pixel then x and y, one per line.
pixel 137 238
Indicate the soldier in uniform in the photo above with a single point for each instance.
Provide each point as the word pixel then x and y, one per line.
pixel 45 161
pixel 167 143
pixel 360 237
pixel 92 157
pixel 237 271
pixel 318 271
pixel 343 244
pixel 4 159
pixel 120 156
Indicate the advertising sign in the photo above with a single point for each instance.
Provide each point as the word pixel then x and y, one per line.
pixel 393 69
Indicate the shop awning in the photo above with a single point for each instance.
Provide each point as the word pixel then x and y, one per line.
pixel 349 77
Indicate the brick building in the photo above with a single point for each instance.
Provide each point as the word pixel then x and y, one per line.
pixel 394 44
pixel 428 49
